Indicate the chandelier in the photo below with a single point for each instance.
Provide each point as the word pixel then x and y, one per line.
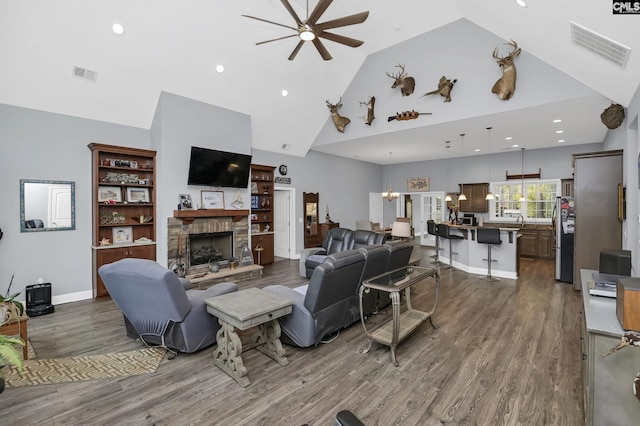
pixel 390 195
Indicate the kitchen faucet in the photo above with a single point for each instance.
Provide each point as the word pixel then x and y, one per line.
pixel 518 220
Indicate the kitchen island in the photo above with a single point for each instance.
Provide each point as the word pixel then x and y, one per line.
pixel 470 256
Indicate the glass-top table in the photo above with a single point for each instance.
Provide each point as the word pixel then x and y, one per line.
pixel 402 324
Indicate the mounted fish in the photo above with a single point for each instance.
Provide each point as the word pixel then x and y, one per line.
pixel 340 121
pixel 506 85
pixel 405 83
pixel 444 88
pixel 370 104
pixel 407 115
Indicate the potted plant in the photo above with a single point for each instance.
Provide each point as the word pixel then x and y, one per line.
pixel 10 307
pixel 9 355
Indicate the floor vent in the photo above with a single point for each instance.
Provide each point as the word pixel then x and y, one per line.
pixel 85 74
pixel 600 45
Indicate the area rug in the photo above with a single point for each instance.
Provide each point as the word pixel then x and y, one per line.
pixel 82 368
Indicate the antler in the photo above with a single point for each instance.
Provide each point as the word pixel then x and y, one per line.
pixel 400 75
pixel 512 43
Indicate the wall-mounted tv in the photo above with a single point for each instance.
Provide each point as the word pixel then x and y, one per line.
pixel 218 168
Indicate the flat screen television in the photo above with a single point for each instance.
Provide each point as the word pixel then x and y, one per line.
pixel 218 168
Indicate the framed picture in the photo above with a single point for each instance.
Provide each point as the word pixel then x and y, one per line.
pixel 255 202
pixel 185 201
pixel 122 234
pixel 254 216
pixel 108 193
pixel 255 227
pixel 212 199
pixel 418 184
pixel 254 187
pixel 138 195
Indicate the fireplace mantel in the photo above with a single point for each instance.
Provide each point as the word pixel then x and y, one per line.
pixel 188 216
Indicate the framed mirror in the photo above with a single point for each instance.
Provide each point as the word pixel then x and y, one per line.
pixel 47 205
pixel 311 231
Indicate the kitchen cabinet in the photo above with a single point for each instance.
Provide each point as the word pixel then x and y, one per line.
pixel 475 202
pixel 536 241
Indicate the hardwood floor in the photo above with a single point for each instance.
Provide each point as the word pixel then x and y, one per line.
pixel 505 353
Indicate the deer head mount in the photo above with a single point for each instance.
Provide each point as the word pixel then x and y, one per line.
pixel 444 88
pixel 405 83
pixel 340 121
pixel 370 104
pixel 506 85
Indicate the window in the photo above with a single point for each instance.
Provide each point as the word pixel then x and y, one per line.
pixel 538 208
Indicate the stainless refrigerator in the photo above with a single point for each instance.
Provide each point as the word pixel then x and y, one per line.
pixel 564 217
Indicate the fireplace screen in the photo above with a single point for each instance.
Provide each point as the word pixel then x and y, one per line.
pixel 211 247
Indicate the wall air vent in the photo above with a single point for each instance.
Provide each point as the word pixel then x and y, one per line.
pixel 600 45
pixel 85 74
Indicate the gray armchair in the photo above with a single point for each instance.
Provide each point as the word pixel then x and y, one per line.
pixel 157 307
pixel 336 240
pixel 328 304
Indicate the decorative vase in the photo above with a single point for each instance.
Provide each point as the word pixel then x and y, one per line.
pixel 214 267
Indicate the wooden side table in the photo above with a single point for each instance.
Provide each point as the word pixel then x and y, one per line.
pixel 245 309
pixel 17 326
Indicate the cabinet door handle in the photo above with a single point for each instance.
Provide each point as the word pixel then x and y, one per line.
pixel 584 356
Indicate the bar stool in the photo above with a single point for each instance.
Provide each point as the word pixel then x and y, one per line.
pixel 432 229
pixel 443 232
pixel 491 237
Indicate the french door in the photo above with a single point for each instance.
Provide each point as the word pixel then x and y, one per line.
pixel 432 207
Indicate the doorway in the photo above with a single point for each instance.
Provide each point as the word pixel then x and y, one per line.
pixel 284 232
pixel 432 207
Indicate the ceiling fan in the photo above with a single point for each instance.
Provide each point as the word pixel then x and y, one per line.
pixel 311 30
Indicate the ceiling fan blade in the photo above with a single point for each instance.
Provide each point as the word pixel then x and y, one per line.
pixel 296 50
pixel 321 49
pixel 358 18
pixel 276 39
pixel 270 22
pixel 341 39
pixel 292 12
pixel 318 11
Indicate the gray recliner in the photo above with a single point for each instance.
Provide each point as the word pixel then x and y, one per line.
pixel 156 305
pixel 366 238
pixel 376 261
pixel 399 256
pixel 328 304
pixel 335 240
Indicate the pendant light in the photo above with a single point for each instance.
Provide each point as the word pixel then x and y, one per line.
pixel 448 197
pixel 490 195
pixel 390 195
pixel 462 197
pixel 522 197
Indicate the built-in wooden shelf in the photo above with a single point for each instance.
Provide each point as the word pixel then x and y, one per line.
pixel 188 216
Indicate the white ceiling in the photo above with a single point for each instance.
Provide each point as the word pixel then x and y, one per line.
pixel 175 46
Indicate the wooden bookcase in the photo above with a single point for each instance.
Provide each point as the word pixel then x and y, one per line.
pixel 124 210
pixel 262 213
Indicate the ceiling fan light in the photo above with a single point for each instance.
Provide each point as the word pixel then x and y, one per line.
pixel 307 35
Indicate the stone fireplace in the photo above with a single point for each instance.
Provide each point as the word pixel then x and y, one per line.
pixel 206 233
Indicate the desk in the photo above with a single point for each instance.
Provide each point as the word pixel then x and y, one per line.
pixel 245 309
pixel 401 325
pixel 17 326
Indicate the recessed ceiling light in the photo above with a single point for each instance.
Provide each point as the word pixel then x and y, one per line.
pixel 219 68
pixel 521 3
pixel 477 150
pixel 557 120
pixel 559 131
pixel 118 29
pixel 508 138
pixel 560 140
pixel 514 145
pixel 285 93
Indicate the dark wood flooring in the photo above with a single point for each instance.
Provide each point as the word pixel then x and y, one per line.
pixel 505 353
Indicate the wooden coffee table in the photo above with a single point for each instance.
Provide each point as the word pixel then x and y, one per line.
pixel 242 310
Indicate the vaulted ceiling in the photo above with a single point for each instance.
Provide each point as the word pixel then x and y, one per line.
pixel 175 47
